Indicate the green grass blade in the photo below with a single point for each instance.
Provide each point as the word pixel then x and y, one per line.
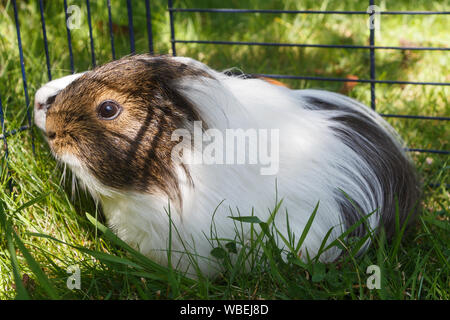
pixel 102 256
pixel 34 266
pixel 21 292
pixel 307 228
pixel 31 202
pixel 117 241
pixel 350 230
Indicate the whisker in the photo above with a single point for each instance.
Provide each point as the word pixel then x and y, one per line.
pixel 62 180
pixel 74 187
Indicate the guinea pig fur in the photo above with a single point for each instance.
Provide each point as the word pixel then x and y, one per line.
pixel 114 127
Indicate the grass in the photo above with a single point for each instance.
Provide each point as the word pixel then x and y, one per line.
pixel 43 230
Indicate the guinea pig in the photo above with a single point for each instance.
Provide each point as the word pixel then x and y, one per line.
pixel 154 138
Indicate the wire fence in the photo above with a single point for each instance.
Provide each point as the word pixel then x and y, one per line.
pixel 372 48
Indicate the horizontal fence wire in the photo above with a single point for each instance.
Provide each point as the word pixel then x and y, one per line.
pixel 335 46
pixel 226 10
pixel 286 76
pixel 371 48
pixel 427 151
pixel 14 131
pixel 405 116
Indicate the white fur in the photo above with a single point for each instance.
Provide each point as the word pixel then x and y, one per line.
pixel 312 167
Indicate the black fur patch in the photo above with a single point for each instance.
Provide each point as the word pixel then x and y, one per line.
pixel 394 171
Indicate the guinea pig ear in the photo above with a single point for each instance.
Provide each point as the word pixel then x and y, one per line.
pixel 51 99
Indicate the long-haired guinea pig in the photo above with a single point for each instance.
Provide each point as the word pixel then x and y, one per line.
pixel 242 145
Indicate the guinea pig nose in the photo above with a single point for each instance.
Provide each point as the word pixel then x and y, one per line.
pixel 51 135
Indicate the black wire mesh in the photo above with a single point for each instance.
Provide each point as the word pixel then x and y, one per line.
pixel 372 48
pixel 174 41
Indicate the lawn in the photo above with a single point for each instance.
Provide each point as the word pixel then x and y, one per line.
pixel 45 226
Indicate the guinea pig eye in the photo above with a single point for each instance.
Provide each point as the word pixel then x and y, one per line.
pixel 108 110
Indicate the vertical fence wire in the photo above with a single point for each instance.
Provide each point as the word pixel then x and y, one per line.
pixel 130 26
pixel 69 38
pixel 372 54
pixel 3 126
pixel 5 146
pixel 24 77
pixel 44 35
pixel 111 35
pixel 172 28
pixel 91 38
pixel 148 16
